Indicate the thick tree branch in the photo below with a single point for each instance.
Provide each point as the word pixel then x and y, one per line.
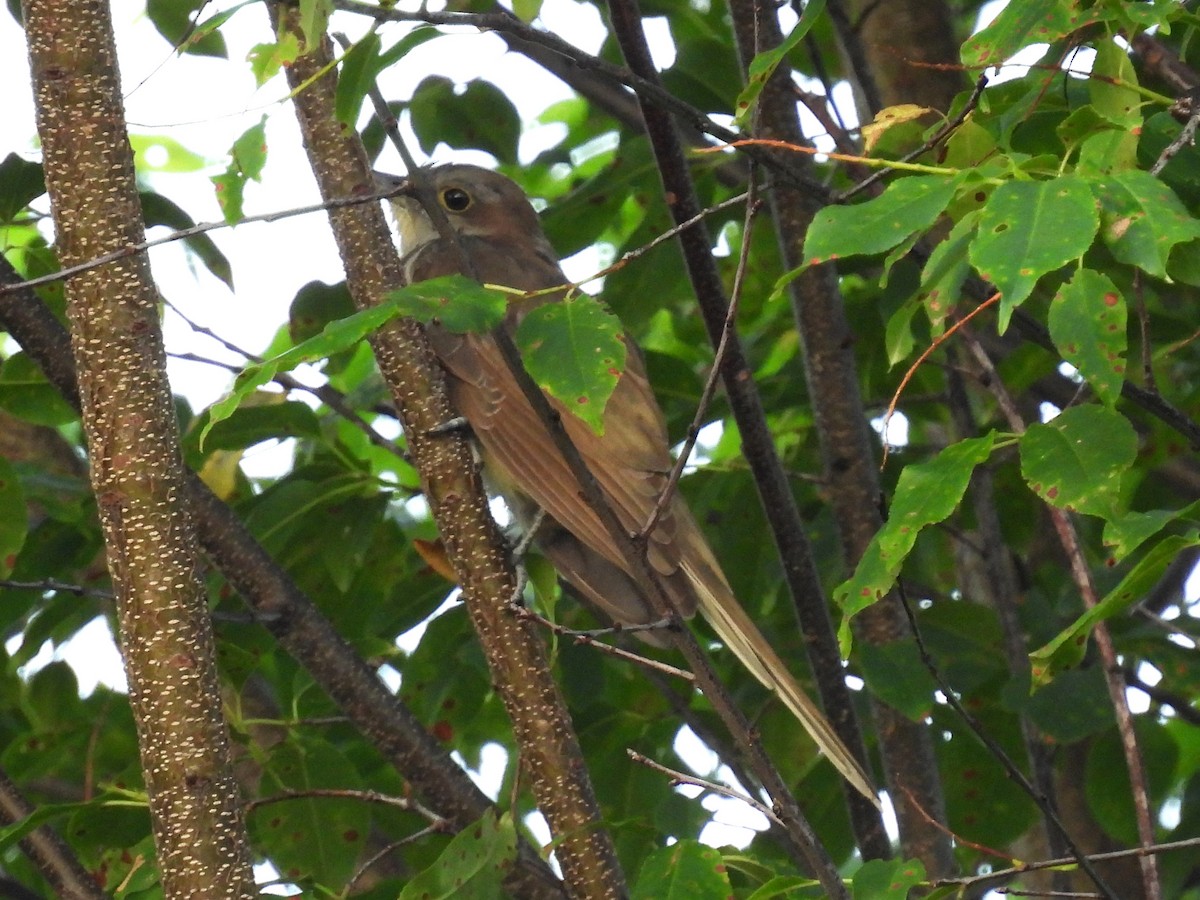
pixel 515 653
pixel 133 443
pixel 848 462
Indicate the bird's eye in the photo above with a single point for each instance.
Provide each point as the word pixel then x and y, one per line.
pixel 456 199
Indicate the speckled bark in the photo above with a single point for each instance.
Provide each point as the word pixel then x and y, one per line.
pixel 847 451
pixel 136 471
pixel 550 753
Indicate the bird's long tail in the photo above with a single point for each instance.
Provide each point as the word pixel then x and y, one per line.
pixel 735 629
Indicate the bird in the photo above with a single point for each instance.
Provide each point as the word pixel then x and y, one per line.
pixel 497 229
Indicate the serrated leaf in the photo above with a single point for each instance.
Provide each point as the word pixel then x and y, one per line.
pixel 454 302
pixel 887 879
pixel 1067 647
pixel 1142 219
pixel 575 350
pixel 1030 228
pixel 764 64
pixel 1128 532
pixel 687 870
pixel 1021 23
pixel 925 494
pixel 1087 324
pixel 1077 460
pixel 908 206
pixel 473 866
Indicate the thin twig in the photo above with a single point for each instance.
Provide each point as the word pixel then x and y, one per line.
pixel 942 133
pixel 714 373
pixel 50 584
pixel 183 233
pixel 979 881
pixel 371 860
pixel 405 803
pixel 590 639
pixel 912 370
pixel 998 752
pixel 678 777
pixel 1187 136
pixel 1139 789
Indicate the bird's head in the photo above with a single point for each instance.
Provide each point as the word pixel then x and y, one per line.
pixel 477 202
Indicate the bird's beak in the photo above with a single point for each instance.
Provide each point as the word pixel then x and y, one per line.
pixel 391 185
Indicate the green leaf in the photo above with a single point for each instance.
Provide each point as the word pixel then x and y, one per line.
pixel 764 64
pixel 178 157
pixel 926 493
pixel 897 676
pixel 248 155
pixel 1128 532
pixel 314 21
pixel 454 302
pixel 1142 219
pixel 310 835
pixel 158 210
pixel 473 866
pixel 13 517
pixel 1072 707
pixel 173 19
pixel 575 350
pixel 943 276
pixel 1113 86
pixel 25 393
pixel 356 77
pixel 1021 23
pixel 363 63
pixel 267 59
pixel 250 425
pixel 1077 460
pixel 1067 648
pixel 21 182
pixel 898 335
pixel 479 117
pixel 909 206
pixel 687 870
pixel 889 879
pixel 1029 228
pixel 527 10
pixel 1087 324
